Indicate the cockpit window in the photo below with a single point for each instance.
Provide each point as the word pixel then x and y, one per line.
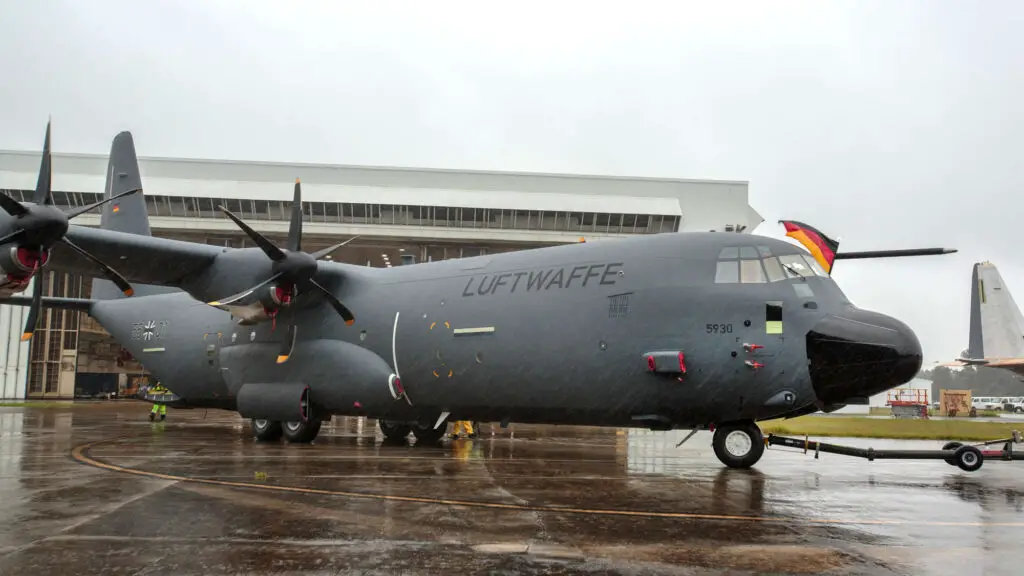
pixel 756 265
pixel 728 272
pixel 774 270
pixel 749 252
pixel 795 266
pixel 751 272
pixel 815 266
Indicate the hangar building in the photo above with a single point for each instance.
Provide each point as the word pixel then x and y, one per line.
pixel 401 215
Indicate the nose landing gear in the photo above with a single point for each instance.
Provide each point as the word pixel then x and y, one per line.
pixel 738 444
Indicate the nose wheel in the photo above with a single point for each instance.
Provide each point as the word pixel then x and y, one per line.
pixel 738 444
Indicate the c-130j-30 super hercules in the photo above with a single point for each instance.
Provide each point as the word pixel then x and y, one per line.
pixel 677 330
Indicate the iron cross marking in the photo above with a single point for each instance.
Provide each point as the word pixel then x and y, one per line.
pixel 148 330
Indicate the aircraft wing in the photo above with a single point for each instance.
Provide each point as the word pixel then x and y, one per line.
pixel 1015 365
pixel 140 259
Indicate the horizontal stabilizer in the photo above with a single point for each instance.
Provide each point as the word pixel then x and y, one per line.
pixel 51 302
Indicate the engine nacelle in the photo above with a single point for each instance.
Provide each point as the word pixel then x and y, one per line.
pixel 17 265
pixel 269 300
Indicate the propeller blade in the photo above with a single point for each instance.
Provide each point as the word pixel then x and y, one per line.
pixel 109 272
pixel 84 209
pixel 244 293
pixel 262 241
pixel 37 303
pixel 295 227
pixel 345 313
pixel 288 344
pixel 12 236
pixel 12 206
pixel 320 254
pixel 42 195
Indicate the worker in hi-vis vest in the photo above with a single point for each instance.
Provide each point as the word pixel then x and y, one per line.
pixel 161 408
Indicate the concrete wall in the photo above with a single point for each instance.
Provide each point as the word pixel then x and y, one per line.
pixel 703 204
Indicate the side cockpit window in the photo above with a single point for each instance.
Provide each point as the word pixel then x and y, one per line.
pixel 756 265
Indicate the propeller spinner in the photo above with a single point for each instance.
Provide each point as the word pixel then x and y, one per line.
pixel 38 225
pixel 293 270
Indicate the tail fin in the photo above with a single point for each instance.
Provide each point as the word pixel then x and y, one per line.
pixel 997 325
pixel 125 215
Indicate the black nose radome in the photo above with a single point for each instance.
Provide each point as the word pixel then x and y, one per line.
pixel 856 354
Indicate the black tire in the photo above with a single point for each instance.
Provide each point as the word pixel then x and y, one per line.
pixel 266 430
pixel 738 445
pixel 394 432
pixel 1019 409
pixel 951 446
pixel 301 432
pixel 427 435
pixel 969 458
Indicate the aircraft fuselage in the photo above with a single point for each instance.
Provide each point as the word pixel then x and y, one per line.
pixel 562 335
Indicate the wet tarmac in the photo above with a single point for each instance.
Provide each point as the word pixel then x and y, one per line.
pixel 97 488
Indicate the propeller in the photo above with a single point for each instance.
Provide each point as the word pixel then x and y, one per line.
pixel 293 271
pixel 40 225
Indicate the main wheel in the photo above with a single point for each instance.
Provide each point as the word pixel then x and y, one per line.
pixel 426 434
pixel 394 431
pixel 739 444
pixel 301 432
pixel 266 430
pixel 968 458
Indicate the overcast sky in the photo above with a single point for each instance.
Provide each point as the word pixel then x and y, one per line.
pixel 885 124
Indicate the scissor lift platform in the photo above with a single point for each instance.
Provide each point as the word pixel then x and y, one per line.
pixel 969 457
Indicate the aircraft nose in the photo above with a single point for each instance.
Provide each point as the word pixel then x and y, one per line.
pixel 858 353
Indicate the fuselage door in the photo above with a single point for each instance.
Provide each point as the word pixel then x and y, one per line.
pixel 212 342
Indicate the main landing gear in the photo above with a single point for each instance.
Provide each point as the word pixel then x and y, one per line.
pixel 398 432
pixel 738 444
pixel 294 432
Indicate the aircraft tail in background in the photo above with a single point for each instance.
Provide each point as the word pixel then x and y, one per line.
pixel 127 214
pixel 996 337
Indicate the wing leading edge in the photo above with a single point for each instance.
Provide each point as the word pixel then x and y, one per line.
pixel 142 259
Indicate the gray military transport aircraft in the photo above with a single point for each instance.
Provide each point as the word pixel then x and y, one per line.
pixel 680 330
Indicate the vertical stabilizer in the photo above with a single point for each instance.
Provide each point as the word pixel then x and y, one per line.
pixel 975 344
pixel 997 325
pixel 127 214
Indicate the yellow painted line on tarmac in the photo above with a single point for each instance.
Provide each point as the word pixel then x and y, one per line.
pixel 80 453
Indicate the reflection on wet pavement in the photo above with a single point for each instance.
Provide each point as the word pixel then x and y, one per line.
pixel 553 500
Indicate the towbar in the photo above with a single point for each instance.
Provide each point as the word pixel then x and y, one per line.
pixel 869 453
pixel 968 457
